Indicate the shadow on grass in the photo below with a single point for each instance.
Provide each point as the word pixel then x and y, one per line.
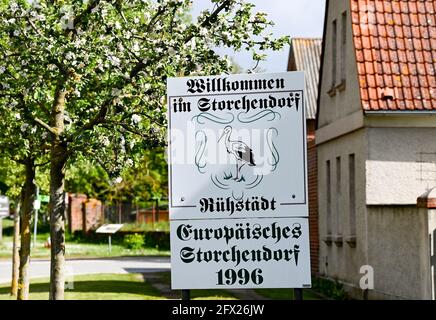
pixel 100 286
pixel 165 279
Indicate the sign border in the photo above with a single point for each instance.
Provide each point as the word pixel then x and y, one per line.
pixel 303 115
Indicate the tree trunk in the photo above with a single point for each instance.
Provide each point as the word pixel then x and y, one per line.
pixel 28 197
pixel 15 252
pixel 58 158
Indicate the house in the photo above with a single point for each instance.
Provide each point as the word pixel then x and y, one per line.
pixel 376 148
pixel 304 55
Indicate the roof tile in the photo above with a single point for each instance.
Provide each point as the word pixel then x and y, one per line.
pixel 383 43
pixel 429 6
pixel 374 104
pixel 418 104
pixel 379 6
pixel 393 55
pixel 395 44
pixel 366 43
pixel 427 45
pixel 372 94
pixel 412 6
pixel 364 94
pixel 398 31
pixel 380 81
pixel 378 66
pixel 425 94
pixel 390 31
pixel 424 32
pixel 421 7
pixel 431 81
pixel 423 81
pixel 416 32
pixel 427 104
pixel 402 57
pixel 407 32
pixel 401 104
pixel 409 44
pixel 405 18
pixel 360 68
pixel 359 56
pixel 419 56
pixel 387 68
pixel 388 82
pixel 369 68
pixel 395 6
pixel 354 6
pixel 380 18
pixel 370 78
pixel 410 56
pixel 414 81
pixel 392 43
pixel 407 93
pixel 404 80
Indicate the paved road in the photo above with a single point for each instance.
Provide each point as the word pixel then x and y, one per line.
pixel 41 269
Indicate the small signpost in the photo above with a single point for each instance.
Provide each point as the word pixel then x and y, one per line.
pixel 4 212
pixel 238 182
pixel 109 229
pixel 4 207
pixel 40 198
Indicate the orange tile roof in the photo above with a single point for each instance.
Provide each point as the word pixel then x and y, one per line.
pixel 395 43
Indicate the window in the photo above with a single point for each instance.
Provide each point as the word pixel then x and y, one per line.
pixel 334 57
pixel 338 197
pixel 329 198
pixel 343 61
pixel 352 195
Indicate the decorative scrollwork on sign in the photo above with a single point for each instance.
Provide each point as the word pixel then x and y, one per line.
pixel 200 118
pixel 272 115
pixel 274 153
pixel 200 160
pixel 218 183
pixel 255 182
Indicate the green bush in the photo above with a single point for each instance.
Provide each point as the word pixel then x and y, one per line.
pixel 332 289
pixel 134 241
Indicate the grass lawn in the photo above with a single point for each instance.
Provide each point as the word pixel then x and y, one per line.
pixel 110 287
pixel 158 226
pixel 207 294
pixel 286 294
pixel 80 249
pixel 95 287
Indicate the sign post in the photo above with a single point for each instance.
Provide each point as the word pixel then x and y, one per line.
pixel 4 212
pixel 109 229
pixel 238 182
pixel 36 207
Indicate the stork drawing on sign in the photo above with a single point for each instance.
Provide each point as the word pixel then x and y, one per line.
pixel 242 153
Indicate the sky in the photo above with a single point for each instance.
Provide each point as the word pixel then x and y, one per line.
pixel 295 18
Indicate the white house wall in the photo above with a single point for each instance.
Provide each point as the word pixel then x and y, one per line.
pixel 401 165
pixel 342 261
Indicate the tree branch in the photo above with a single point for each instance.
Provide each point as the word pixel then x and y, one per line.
pixel 78 20
pixel 44 125
pixel 100 116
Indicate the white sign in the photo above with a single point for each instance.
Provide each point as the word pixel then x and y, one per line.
pixel 4 206
pixel 109 228
pixel 37 204
pixel 238 190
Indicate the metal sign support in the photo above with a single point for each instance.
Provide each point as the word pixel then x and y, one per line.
pixel 186 294
pixel 298 294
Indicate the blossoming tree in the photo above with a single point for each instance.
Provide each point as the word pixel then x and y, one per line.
pixel 94 74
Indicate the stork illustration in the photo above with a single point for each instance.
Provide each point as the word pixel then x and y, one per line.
pixel 242 153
